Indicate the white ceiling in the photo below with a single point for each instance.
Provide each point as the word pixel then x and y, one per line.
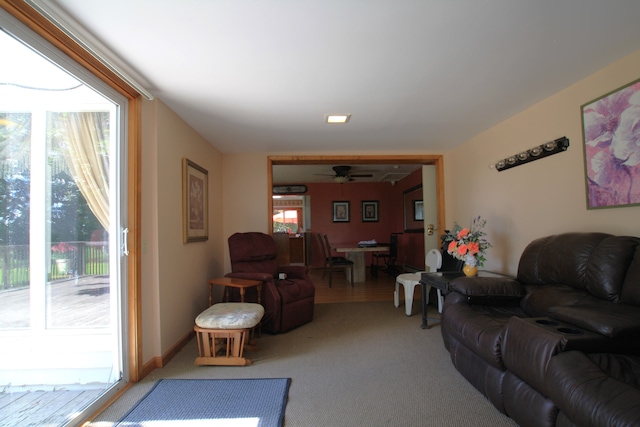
pixel 417 76
pixel 304 174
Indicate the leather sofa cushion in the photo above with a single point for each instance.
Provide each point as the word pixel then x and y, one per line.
pixel 540 298
pixel 605 318
pixel 595 390
pixel 593 262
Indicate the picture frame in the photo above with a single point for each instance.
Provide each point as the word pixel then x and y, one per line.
pixel 195 203
pixel 369 211
pixel 341 211
pixel 612 155
pixel 418 210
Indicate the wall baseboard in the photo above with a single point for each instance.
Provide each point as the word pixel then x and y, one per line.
pixel 159 362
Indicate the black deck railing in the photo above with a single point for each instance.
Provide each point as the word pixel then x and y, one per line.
pixel 68 259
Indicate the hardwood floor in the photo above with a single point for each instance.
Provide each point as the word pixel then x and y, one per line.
pixel 373 289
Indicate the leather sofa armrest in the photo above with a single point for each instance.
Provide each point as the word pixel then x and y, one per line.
pixel 589 394
pixel 489 290
pixel 609 319
pixel 264 277
pixel 530 343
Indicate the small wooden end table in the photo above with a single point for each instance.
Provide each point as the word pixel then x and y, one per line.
pixel 229 282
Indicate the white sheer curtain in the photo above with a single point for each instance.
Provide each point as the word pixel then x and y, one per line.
pixel 87 158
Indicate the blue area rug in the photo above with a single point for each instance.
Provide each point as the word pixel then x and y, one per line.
pixel 237 403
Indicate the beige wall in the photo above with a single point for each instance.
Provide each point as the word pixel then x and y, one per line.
pixel 521 204
pixel 174 274
pixel 246 196
pixel 544 197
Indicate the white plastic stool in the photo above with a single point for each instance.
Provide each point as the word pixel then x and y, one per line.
pixel 433 260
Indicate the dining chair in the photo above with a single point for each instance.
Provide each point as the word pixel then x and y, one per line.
pixel 388 258
pixel 333 263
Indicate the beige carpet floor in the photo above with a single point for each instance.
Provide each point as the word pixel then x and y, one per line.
pixel 356 364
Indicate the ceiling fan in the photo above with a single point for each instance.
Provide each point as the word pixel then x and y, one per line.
pixel 342 174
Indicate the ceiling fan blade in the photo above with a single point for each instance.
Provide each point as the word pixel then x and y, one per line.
pixel 360 175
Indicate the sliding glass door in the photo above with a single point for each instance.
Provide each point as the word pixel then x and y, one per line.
pixel 61 240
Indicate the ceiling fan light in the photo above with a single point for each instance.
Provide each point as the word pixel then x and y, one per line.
pixel 341 179
pixel 336 118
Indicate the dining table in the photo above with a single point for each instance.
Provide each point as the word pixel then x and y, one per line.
pixel 356 254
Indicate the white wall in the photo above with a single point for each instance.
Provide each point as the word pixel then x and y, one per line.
pixel 544 197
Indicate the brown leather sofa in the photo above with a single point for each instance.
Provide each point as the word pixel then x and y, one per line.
pixel 287 303
pixel 508 337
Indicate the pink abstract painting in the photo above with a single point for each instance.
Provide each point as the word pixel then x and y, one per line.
pixel 611 126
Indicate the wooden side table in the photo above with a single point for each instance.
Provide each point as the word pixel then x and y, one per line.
pixel 229 282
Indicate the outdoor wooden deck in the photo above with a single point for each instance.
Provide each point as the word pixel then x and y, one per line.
pixel 71 304
pixel 43 408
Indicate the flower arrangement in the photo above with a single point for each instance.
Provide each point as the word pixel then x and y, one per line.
pixel 468 244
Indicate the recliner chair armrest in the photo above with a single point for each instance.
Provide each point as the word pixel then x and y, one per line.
pixel 263 277
pixel 294 271
pixel 489 290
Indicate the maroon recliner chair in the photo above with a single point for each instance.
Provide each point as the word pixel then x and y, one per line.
pixel 287 303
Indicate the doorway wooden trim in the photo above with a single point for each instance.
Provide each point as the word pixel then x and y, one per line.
pixel 423 159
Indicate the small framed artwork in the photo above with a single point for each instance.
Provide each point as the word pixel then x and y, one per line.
pixel 418 210
pixel 611 148
pixel 369 211
pixel 340 211
pixel 195 188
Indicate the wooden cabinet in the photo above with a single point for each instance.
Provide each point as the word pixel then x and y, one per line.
pixel 291 248
pixel 296 250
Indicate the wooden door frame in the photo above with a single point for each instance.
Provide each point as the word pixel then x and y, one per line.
pixel 422 159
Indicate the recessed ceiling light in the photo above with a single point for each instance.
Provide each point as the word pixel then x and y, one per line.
pixel 336 118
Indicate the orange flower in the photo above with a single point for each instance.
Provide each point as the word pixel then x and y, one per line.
pixel 452 246
pixel 462 233
pixel 474 248
pixel 462 249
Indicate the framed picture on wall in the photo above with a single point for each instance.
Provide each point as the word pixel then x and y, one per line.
pixel 418 210
pixel 340 211
pixel 611 149
pixel 369 211
pixel 195 212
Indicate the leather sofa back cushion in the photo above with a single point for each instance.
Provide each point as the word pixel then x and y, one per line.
pixel 594 262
